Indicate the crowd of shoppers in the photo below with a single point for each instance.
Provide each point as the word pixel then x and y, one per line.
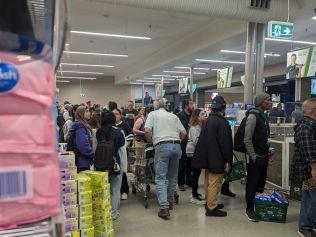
pixel 187 143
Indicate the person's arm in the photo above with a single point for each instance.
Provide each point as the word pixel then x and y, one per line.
pixel 249 131
pixel 225 141
pixel 148 127
pixel 137 126
pixel 83 143
pixel 194 134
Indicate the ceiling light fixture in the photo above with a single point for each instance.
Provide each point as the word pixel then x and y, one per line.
pixel 78 72
pixel 62 81
pixel 314 17
pixel 81 78
pixel 86 65
pixel 110 35
pixel 218 61
pixel 97 54
pixel 196 73
pixel 138 83
pixel 195 68
pixel 167 76
pixel 292 41
pixel 243 52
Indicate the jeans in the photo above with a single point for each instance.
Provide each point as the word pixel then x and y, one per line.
pixel 115 182
pixel 167 164
pixel 256 179
pixel 308 210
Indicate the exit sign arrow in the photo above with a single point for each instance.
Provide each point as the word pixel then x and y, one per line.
pixel 280 30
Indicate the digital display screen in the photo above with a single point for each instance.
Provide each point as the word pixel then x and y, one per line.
pixel 313 86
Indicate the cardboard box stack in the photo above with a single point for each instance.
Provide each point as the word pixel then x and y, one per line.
pixel 85 206
pixel 68 172
pixel 101 205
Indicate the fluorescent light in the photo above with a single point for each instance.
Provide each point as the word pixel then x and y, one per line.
pixel 218 61
pixel 62 81
pixel 195 68
pixel 110 35
pixel 82 78
pixel 97 54
pixel 216 69
pixel 152 78
pixel 197 73
pixel 314 17
pixel 292 41
pixel 96 73
pixel 167 76
pixel 137 83
pixel 86 65
pixel 243 52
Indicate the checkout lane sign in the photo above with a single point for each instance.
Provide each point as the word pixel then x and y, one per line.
pixel 9 78
pixel 280 30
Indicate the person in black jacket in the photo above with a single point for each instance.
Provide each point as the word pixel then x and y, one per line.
pixel 214 153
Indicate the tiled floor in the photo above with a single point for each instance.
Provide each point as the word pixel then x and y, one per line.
pixel 188 220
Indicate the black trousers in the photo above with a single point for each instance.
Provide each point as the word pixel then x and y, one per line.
pixel 195 181
pixel 184 174
pixel 124 187
pixel 256 179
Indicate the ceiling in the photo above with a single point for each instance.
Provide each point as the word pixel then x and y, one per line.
pixel 177 40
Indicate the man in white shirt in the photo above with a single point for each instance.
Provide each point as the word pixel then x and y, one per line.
pixel 165 130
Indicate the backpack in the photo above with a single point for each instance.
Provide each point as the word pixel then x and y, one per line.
pixel 106 157
pixel 239 144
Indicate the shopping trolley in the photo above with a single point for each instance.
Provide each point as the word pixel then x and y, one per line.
pixel 141 165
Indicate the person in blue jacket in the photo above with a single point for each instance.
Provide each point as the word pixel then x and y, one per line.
pixel 83 139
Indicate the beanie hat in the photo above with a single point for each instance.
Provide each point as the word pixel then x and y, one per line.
pixel 219 103
pixel 260 98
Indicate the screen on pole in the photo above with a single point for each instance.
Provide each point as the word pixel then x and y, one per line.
pixel 224 77
pixel 301 63
pixel 183 85
pixel 313 86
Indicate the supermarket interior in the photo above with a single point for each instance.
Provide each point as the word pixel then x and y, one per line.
pixel 174 118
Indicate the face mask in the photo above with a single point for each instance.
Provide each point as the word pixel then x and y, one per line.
pixel 28 158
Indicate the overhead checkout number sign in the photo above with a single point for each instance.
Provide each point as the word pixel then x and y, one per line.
pixel 280 30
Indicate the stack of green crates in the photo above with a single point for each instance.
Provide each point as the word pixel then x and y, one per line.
pixel 101 204
pixel 85 206
pixel 271 211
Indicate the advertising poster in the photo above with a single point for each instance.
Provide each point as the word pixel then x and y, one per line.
pixel 183 85
pixel 301 63
pixel 158 88
pixel 224 77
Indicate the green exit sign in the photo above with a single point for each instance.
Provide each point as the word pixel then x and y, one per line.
pixel 280 30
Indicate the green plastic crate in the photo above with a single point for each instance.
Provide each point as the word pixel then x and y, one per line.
pixel 271 211
pixel 295 191
pixel 238 171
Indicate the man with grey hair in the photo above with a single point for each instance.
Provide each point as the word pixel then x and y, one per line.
pixel 256 137
pixel 165 131
pixel 303 171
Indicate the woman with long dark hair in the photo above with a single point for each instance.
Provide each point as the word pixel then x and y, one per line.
pixel 108 132
pixel 196 121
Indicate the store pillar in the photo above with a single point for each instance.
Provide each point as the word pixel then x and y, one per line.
pixel 191 83
pixel 143 93
pixel 260 48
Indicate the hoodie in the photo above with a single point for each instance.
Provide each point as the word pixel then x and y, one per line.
pixel 83 141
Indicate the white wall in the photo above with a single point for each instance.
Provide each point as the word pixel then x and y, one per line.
pixel 100 91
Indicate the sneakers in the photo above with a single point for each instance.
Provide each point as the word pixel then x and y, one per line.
pixel 219 206
pixel 215 213
pixel 228 193
pixel 164 213
pixel 306 233
pixel 124 196
pixel 251 215
pixel 181 188
pixel 197 200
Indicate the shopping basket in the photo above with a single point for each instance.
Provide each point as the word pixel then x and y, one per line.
pixel 238 171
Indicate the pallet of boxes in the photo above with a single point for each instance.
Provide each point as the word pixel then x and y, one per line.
pixel 101 204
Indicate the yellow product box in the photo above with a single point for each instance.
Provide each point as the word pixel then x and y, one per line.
pixel 103 225
pixel 84 183
pixel 85 210
pixel 71 211
pixel 72 234
pixel 101 194
pixel 89 232
pixel 85 222
pixel 98 206
pixel 71 225
pixel 98 179
pixel 85 198
pixel 69 199
pixel 105 215
pixel 104 234
pixel 69 186
pixel 68 174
